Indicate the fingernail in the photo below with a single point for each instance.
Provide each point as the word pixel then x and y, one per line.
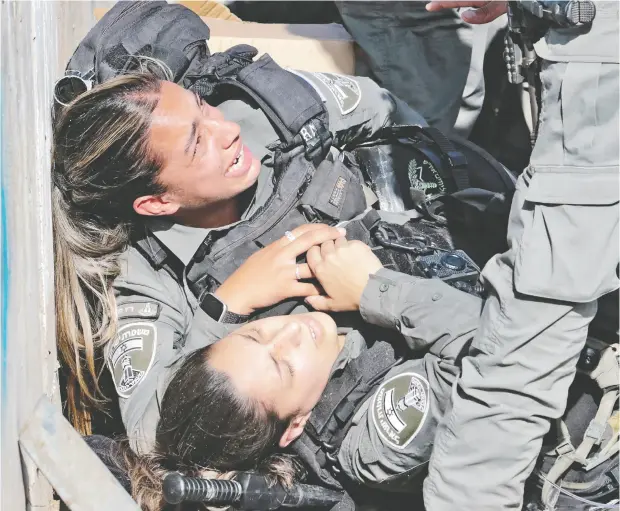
pixel 342 230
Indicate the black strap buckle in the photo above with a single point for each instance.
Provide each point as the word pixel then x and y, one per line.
pixel 418 244
pixel 317 139
pixel 309 213
pixel 230 62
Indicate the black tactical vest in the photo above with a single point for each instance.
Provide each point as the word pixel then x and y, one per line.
pixel 331 419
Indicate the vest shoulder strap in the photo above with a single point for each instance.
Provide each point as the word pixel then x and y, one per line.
pixel 333 416
pixel 291 104
pixel 157 254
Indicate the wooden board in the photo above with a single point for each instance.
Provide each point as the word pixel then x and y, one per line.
pixel 77 474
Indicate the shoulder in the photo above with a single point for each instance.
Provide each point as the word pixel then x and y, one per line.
pixel 138 276
pixel 392 435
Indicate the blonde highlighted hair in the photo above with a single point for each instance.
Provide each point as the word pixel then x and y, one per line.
pixel 100 164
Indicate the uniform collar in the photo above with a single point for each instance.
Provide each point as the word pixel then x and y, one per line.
pixel 184 241
pixel 353 345
pixel 181 240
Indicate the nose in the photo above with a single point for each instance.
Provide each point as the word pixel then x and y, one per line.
pixel 286 339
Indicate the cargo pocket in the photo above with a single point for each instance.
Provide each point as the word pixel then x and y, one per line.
pixel 569 247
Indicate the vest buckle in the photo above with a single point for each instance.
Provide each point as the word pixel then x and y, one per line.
pixel 329 447
pixel 418 245
pixel 317 139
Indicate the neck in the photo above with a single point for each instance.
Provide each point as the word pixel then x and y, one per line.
pixel 214 215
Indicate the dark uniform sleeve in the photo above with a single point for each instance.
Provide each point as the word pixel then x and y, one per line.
pixel 391 439
pixel 425 311
pixel 156 328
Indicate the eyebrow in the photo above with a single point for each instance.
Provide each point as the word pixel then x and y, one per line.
pixel 254 339
pixel 192 133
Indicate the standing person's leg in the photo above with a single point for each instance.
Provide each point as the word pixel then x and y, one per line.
pixel 563 239
pixel 432 61
pixel 421 57
pixel 472 97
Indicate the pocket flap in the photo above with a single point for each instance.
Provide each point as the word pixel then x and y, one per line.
pixel 596 186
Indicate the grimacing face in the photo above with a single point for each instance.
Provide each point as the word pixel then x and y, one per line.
pixel 284 362
pixel 205 160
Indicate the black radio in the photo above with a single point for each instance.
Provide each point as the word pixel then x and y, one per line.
pixel 455 268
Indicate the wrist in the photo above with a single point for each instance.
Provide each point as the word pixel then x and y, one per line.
pixel 234 301
pixel 218 310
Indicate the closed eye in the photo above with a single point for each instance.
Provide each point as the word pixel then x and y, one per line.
pixel 198 139
pixel 254 335
pixel 289 368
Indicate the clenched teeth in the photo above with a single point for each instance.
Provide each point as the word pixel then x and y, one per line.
pixel 238 161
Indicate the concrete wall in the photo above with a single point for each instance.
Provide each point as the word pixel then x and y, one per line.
pixel 38 37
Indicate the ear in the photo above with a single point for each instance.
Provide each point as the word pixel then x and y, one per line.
pixel 155 205
pixel 294 429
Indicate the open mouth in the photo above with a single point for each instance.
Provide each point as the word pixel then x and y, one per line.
pixel 241 163
pixel 239 159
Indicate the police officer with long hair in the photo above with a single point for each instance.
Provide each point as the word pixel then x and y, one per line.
pixel 138 153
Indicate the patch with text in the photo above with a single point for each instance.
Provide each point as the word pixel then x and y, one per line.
pixel 131 356
pixel 145 310
pixel 338 193
pixel 423 176
pixel 400 407
pixel 346 90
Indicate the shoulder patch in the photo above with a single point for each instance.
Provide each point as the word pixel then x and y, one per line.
pixel 346 91
pixel 302 75
pixel 399 408
pixel 138 310
pixel 131 356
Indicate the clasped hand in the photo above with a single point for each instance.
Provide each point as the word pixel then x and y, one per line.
pixel 333 279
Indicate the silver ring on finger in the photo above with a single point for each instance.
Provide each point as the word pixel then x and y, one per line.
pixel 290 236
pixel 297 274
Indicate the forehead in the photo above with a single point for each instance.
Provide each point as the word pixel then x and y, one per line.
pixel 174 99
pixel 172 118
pixel 245 361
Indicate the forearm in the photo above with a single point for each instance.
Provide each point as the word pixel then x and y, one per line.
pixel 425 311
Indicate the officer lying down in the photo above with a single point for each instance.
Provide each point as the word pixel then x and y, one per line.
pixel 357 410
pixel 346 402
